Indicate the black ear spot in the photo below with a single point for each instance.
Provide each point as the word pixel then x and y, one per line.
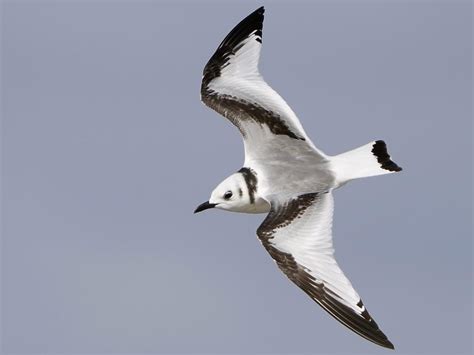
pixel 228 195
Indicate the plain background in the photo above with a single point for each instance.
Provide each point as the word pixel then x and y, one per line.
pixel 107 151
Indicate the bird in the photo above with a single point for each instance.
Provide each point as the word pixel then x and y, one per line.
pixel 286 176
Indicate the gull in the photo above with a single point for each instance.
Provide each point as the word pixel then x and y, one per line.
pixel 286 176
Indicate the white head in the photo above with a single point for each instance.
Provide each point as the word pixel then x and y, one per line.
pixel 231 195
pixel 237 193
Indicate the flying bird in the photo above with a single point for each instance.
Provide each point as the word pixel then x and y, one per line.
pixel 287 176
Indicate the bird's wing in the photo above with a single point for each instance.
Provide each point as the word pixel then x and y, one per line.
pixel 233 86
pixel 297 234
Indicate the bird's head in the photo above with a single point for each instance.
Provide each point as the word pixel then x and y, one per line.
pixel 231 195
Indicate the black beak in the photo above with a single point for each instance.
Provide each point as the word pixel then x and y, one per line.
pixel 204 206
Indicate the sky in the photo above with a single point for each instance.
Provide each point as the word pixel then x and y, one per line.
pixel 107 150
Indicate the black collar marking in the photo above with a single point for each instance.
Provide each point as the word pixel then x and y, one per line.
pixel 251 180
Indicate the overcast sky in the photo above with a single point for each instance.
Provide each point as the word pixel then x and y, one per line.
pixel 107 151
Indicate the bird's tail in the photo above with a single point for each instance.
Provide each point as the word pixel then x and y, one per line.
pixel 369 160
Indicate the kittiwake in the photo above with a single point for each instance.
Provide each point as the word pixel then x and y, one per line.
pixel 286 176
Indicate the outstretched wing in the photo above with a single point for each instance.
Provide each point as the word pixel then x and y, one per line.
pixel 233 86
pixel 297 234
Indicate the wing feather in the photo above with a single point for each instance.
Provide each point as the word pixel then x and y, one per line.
pixel 233 86
pixel 298 235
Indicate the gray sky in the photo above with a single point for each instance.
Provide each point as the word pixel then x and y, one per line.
pixel 107 150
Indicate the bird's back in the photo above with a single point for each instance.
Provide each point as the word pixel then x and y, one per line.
pixel 293 175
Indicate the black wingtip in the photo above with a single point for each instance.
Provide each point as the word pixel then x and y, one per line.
pixel 260 10
pixel 379 149
pixel 255 19
pixel 252 24
pixel 389 345
pixel 386 344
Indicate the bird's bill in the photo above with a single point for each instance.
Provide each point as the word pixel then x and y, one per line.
pixel 204 206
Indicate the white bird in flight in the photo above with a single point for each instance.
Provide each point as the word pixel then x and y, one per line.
pixel 286 176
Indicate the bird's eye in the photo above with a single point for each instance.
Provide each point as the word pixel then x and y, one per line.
pixel 228 195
